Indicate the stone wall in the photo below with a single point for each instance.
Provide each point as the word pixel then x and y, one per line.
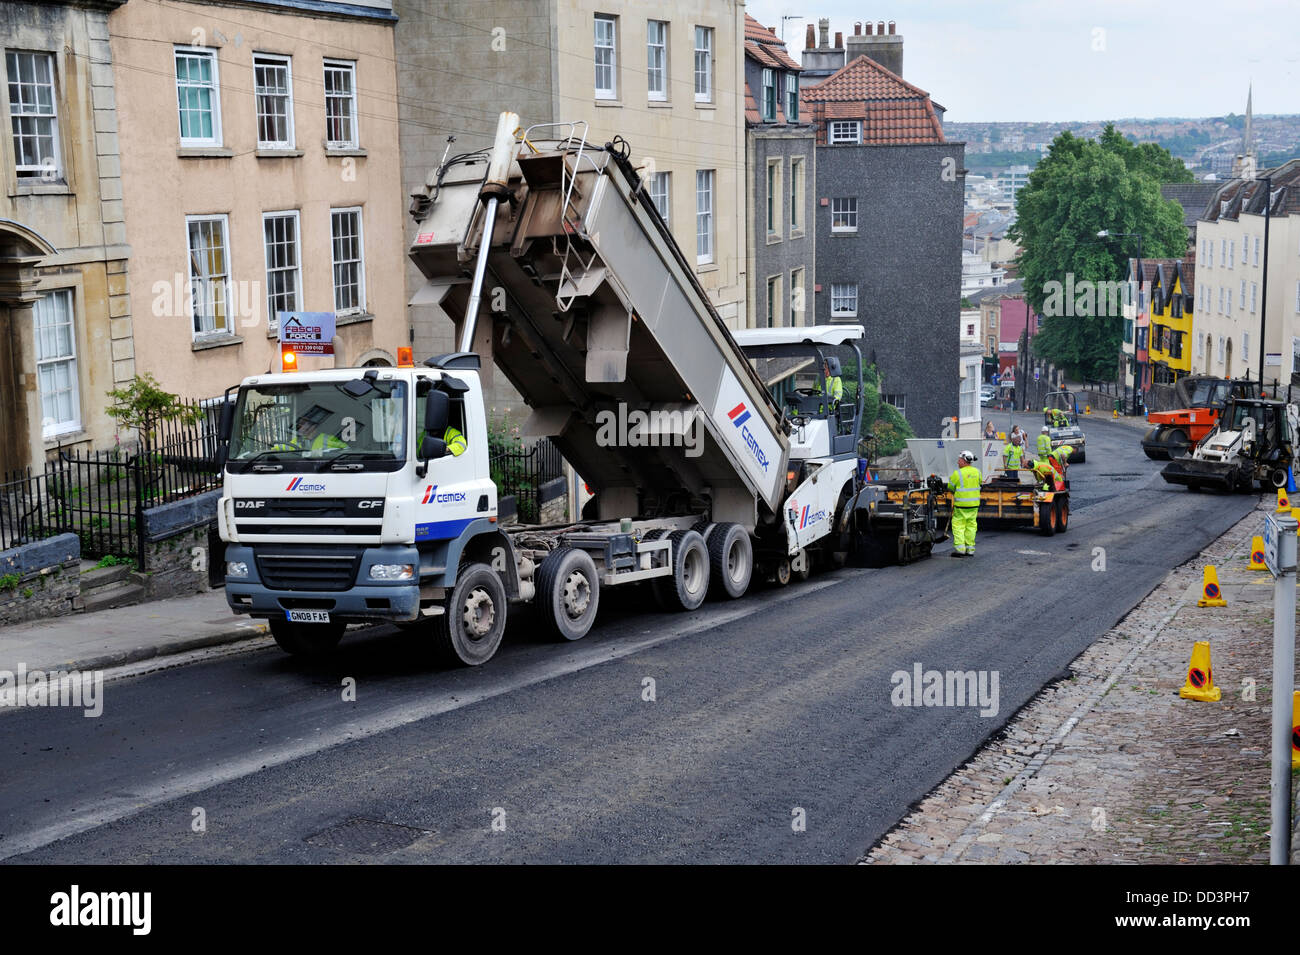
pixel 178 554
pixel 40 579
pixel 554 499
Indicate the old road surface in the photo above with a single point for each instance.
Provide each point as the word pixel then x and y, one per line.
pixel 770 715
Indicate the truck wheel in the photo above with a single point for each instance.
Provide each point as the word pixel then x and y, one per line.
pixel 731 560
pixel 801 565
pixel 568 592
pixel 1277 477
pixel 1062 506
pixel 470 631
pixel 781 572
pixel 1046 519
pixel 689 583
pixel 307 639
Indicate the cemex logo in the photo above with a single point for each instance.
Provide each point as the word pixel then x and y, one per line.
pixel 297 485
pixel 432 496
pixel 739 415
pixel 806 518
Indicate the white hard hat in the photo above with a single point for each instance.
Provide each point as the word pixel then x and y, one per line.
pixel 1046 428
pixel 967 456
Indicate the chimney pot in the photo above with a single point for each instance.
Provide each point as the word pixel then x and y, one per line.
pixel 880 27
pixel 823 34
pixel 870 26
pixel 857 28
pixel 772 30
pixel 891 27
pixel 839 40
pixel 810 38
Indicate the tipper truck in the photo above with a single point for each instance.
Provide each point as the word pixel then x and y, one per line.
pixel 364 495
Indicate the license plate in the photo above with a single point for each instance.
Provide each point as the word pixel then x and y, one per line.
pixel 308 616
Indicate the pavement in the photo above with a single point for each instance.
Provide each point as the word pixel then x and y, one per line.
pixel 125 635
pixel 1109 765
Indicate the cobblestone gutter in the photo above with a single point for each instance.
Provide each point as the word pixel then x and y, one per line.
pixel 1110 765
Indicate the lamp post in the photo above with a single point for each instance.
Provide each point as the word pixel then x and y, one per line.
pixel 1138 369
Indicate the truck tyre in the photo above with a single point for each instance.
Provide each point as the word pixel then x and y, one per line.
pixel 689 583
pixel 1062 506
pixel 307 639
pixel 470 630
pixel 1277 477
pixel 1047 519
pixel 731 560
pixel 568 592
pixel 801 565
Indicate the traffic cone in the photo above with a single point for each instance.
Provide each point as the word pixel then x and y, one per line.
pixel 1200 676
pixel 1295 730
pixel 1283 501
pixel 1211 594
pixel 1290 481
pixel 1257 553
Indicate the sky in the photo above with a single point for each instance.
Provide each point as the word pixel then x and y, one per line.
pixel 1078 60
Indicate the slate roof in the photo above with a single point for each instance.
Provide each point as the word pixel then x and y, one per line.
pixel 1194 197
pixel 1247 195
pixel 766 47
pixel 893 111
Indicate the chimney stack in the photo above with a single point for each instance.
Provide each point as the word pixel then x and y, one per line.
pixel 810 38
pixel 772 30
pixel 884 46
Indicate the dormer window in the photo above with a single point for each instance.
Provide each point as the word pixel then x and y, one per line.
pixel 769 96
pixel 846 132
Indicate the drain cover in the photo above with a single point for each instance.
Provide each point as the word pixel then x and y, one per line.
pixel 367 835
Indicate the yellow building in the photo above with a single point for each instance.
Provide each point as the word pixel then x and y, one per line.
pixel 1172 301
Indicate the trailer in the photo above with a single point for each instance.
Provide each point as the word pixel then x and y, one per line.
pixel 548 257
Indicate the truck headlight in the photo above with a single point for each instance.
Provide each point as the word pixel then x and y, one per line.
pixel 392 572
pixel 236 568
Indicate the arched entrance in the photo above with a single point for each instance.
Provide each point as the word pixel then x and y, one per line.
pixel 22 250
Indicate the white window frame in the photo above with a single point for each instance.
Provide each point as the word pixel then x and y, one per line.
pixel 775 192
pixel 51 427
pixel 774 301
pixel 1254 296
pixel 601 50
pixel 1232 252
pixel 768 105
pixel 1221 349
pixel 1245 250
pixel 798 296
pixel 660 189
pixel 49 168
pixel 1243 294
pixel 1200 346
pixel 349 68
pixel 199 334
pixel 274 61
pixel 335 262
pixel 792 97
pixel 703 64
pixel 210 55
pixel 846 295
pixel 896 401
pixel 705 219
pixel 796 194
pixel 288 215
pixel 1229 309
pixel 1245 346
pixel 1223 251
pixel 844 209
pixel 845 132
pixel 656 49
pixel 1257 250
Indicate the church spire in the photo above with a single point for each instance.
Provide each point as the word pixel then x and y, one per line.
pixel 1247 134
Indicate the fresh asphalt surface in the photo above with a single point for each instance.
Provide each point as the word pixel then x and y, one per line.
pixel 776 702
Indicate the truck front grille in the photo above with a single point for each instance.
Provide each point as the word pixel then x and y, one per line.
pixel 308 571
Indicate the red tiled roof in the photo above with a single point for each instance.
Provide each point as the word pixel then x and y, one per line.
pixel 893 110
pixel 766 47
pixel 751 109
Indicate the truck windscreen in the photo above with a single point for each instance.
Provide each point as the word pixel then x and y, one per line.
pixel 320 425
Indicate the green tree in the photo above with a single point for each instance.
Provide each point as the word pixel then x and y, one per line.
pixel 885 423
pixel 1079 189
pixel 143 405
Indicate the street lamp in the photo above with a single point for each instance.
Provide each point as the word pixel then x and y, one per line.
pixel 1139 371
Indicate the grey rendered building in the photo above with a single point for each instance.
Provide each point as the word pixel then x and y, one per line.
pixel 889 212
pixel 780 147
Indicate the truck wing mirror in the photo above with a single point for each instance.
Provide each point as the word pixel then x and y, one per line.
pixel 436 411
pixel 432 448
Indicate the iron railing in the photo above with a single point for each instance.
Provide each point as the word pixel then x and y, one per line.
pixel 522 472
